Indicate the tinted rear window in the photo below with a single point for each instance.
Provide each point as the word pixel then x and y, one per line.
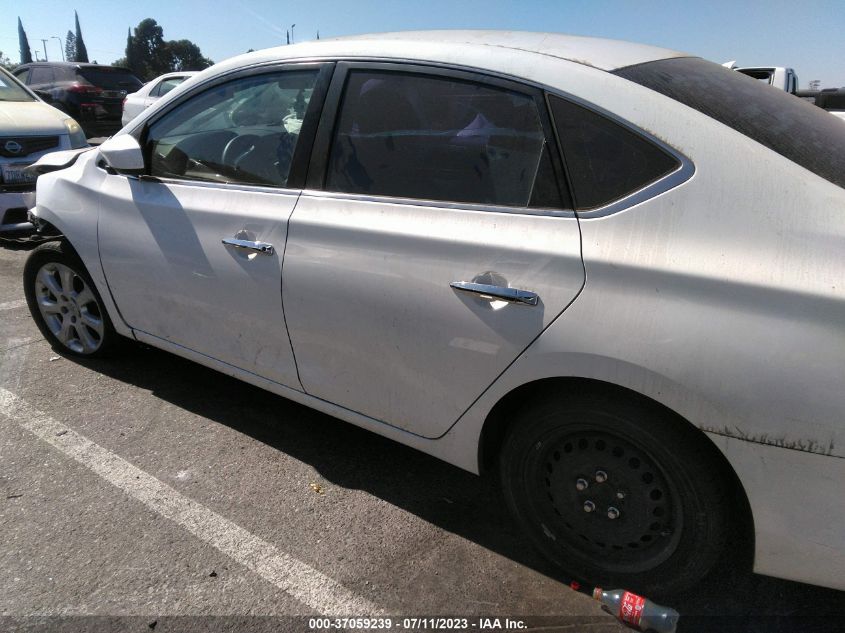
pixel 605 160
pixel 110 78
pixel 792 127
pixel 418 136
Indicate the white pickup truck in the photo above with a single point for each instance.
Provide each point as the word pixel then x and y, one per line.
pixel 777 76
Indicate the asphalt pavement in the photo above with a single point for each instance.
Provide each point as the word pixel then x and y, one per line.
pixel 146 492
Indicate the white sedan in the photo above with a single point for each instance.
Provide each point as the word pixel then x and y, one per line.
pixel 152 91
pixel 588 267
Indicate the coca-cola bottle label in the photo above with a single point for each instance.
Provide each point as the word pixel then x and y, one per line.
pixel 631 608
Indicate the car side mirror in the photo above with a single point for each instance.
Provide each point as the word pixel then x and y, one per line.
pixel 123 154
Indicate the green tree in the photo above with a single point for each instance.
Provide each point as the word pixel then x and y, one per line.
pixel 5 62
pixel 81 51
pixel 153 58
pixel 148 55
pixel 26 54
pixel 185 55
pixel 70 47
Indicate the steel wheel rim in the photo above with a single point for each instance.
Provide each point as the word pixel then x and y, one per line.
pixel 646 525
pixel 69 308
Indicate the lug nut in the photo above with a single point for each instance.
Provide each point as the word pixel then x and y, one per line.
pixel 620 495
pixel 589 506
pixel 581 484
pixel 612 513
pixel 601 476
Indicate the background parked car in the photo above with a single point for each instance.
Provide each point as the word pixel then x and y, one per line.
pixel 830 99
pixel 29 128
pixel 151 92
pixel 90 93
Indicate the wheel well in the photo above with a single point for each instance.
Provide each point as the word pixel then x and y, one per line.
pixel 502 416
pixel 48 230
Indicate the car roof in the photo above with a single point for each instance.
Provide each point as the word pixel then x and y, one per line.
pixel 604 54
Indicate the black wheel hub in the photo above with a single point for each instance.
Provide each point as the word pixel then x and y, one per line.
pixel 607 499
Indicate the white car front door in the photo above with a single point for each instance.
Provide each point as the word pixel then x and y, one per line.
pixel 439 247
pixel 193 251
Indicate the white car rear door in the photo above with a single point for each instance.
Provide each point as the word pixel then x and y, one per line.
pixel 438 246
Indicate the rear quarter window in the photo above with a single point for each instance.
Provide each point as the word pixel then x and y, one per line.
pixel 605 160
pixel 786 124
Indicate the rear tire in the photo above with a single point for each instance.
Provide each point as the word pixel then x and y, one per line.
pixel 617 493
pixel 65 304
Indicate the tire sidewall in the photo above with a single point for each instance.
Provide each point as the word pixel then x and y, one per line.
pixel 656 433
pixel 60 252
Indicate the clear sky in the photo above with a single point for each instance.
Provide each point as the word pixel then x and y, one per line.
pixel 809 35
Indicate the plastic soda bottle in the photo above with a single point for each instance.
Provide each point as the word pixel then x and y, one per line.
pixel 636 611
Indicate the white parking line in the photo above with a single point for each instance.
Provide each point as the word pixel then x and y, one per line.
pixel 12 305
pixel 303 582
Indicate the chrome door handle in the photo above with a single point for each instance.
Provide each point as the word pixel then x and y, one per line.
pixel 258 247
pixel 511 295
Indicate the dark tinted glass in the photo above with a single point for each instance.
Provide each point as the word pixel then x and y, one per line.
pixel 436 138
pixel 243 131
pixel 792 127
pixel 41 75
pixel 110 78
pixel 605 160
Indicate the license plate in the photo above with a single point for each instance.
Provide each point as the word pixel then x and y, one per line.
pixel 15 175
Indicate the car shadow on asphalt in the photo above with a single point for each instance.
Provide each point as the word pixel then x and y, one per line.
pixel 445 496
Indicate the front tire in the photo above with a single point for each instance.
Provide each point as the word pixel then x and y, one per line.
pixel 65 304
pixel 616 492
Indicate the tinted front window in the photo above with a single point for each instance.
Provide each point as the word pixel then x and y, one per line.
pixel 792 127
pixel 605 160
pixel 419 136
pixel 110 78
pixel 243 131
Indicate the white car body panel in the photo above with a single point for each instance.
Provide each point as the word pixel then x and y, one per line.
pixel 371 312
pixel 687 304
pixel 173 233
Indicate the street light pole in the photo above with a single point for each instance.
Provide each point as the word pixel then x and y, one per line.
pixel 61 45
pixel 291 33
pixel 44 42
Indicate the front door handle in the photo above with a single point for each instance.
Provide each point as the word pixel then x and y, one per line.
pixel 258 247
pixel 502 293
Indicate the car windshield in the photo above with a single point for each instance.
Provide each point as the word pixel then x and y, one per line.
pixel 111 78
pixel 792 127
pixel 11 90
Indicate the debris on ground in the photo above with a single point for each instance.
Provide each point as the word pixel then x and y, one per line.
pixel 317 488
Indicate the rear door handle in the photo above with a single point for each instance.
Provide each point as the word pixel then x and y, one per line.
pixel 502 293
pixel 259 247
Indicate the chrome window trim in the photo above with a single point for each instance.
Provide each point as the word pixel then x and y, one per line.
pixel 674 179
pixel 440 204
pixel 209 184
